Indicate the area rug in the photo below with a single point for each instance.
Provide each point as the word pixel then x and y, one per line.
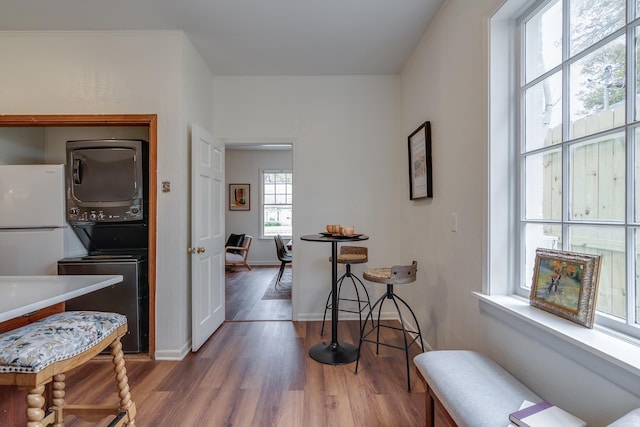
pixel 284 287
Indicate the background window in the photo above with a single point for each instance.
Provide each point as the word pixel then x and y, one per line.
pixel 277 201
pixel 578 147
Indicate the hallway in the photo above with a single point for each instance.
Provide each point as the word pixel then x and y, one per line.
pixel 244 292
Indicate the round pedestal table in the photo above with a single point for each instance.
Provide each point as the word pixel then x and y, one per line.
pixel 334 352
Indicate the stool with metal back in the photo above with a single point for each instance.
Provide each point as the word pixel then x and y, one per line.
pixel 396 275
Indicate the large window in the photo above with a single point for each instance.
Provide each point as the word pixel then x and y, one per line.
pixel 579 145
pixel 277 201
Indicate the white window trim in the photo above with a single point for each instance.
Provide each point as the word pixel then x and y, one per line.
pixel 597 349
pixel 262 235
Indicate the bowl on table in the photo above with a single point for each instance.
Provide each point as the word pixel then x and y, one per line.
pixel 333 228
pixel 347 230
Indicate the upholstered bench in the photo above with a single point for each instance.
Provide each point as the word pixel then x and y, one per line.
pixel 464 388
pixel 39 353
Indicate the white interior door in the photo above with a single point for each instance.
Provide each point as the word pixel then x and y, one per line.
pixel 207 235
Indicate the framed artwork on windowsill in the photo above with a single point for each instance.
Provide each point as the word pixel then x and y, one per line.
pixel 239 197
pixel 420 173
pixel 566 284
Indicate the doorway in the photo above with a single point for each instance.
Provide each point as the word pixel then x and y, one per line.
pixel 148 121
pixel 250 294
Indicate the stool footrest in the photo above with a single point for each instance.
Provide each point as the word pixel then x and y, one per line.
pixel 94 413
pixel 91 413
pixel 50 417
pixel 413 334
pixel 117 421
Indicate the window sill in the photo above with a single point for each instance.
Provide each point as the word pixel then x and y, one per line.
pixel 285 238
pixel 613 358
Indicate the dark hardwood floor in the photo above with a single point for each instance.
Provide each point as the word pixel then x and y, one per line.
pixel 244 290
pixel 259 374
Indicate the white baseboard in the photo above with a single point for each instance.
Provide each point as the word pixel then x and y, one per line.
pixel 176 355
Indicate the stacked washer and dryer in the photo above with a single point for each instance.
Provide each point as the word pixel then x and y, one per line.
pixel 107 208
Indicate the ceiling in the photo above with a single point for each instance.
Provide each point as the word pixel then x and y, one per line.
pixel 254 37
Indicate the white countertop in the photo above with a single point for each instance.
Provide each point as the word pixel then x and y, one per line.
pixel 20 295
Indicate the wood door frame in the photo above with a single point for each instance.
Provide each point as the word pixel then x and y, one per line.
pixel 149 120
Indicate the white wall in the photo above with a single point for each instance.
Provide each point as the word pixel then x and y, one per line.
pixel 345 149
pixel 243 167
pixel 125 73
pixel 445 82
pixel 196 84
pixel 22 146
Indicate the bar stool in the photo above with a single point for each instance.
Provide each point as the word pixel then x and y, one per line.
pixel 42 352
pixel 350 255
pixel 396 275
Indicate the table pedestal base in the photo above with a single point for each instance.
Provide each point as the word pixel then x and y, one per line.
pixel 330 353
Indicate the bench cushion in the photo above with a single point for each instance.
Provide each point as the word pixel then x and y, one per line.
pixel 632 419
pixel 475 391
pixel 33 347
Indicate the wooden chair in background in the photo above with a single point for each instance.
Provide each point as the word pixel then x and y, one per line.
pixel 237 255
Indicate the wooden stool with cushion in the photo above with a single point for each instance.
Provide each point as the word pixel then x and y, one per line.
pixel 41 352
pixel 396 275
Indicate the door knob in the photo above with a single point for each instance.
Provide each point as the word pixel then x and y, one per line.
pixel 190 250
pixel 200 249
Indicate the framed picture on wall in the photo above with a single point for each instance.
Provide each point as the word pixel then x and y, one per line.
pixel 239 197
pixel 420 174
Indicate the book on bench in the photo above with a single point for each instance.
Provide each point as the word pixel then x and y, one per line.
pixel 544 414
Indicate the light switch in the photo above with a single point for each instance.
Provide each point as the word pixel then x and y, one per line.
pixel 453 222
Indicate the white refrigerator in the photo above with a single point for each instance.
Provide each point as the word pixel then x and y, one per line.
pixel 34 234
